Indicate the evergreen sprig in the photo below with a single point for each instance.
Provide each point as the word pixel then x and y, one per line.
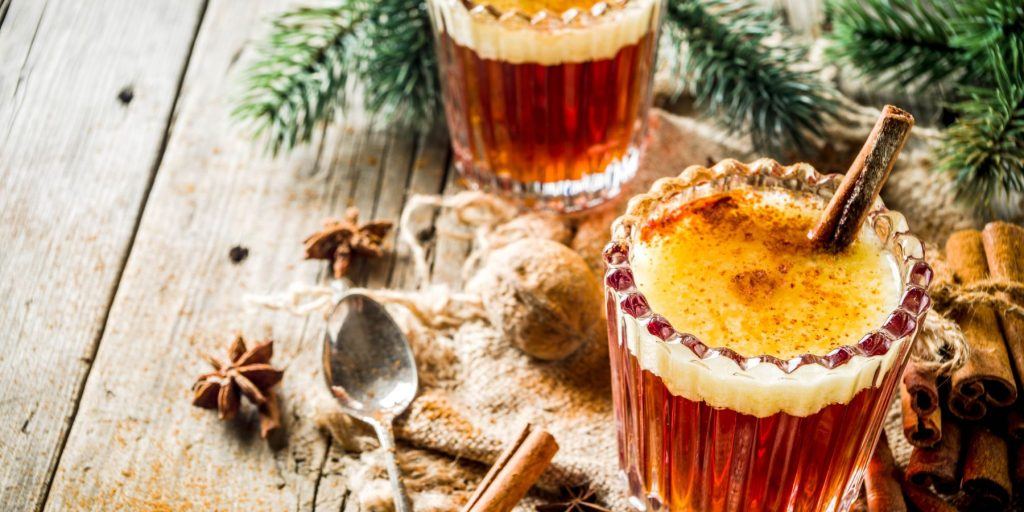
pixel 908 42
pixel 303 70
pixel 746 84
pixel 394 53
pixel 978 46
pixel 984 149
pixel 990 33
pixel 300 78
pixel 302 73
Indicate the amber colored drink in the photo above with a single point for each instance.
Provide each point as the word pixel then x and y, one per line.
pixel 547 110
pixel 680 451
pixel 750 372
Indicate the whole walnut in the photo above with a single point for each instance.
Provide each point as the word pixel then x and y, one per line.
pixel 543 296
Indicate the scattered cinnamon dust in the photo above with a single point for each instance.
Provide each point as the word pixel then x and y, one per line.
pixel 753 285
pixel 436 407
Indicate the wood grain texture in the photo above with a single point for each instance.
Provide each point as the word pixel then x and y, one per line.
pixel 428 177
pixel 452 243
pixel 76 164
pixel 137 442
pixel 421 172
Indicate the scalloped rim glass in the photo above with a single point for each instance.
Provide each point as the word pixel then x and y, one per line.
pixel 544 18
pixel 891 228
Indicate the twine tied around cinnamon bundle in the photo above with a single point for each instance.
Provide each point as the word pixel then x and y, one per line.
pixel 1003 295
pixel 941 346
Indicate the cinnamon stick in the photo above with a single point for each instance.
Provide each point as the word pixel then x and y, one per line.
pixel 921 383
pixel 937 466
pixel 1004 251
pixel 882 480
pixel 923 431
pixel 1015 426
pixel 1018 465
pixel 970 409
pixel 987 376
pixel 516 470
pixel 848 208
pixel 986 480
pixel 924 500
pixel 922 419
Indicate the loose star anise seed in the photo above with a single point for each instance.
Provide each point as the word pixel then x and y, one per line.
pixel 341 240
pixel 246 372
pixel 575 499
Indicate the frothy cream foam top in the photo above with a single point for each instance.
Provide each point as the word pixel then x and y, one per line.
pixel 737 271
pixel 545 42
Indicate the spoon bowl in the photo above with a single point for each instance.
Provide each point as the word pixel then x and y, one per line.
pixel 371 371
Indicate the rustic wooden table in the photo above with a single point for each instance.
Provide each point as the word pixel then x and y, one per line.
pixel 123 186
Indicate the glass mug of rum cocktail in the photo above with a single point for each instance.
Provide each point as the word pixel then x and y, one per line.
pixel 750 372
pixel 547 100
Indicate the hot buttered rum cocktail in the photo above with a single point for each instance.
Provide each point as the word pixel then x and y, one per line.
pixel 547 99
pixel 749 370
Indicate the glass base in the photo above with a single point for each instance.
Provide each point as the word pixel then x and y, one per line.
pixel 565 196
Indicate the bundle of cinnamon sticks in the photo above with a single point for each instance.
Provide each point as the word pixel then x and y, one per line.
pixel 967 429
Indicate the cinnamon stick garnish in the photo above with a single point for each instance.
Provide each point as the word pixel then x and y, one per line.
pixel 882 480
pixel 516 470
pixel 987 377
pixel 1004 251
pixel 848 208
pixel 937 466
pixel 986 480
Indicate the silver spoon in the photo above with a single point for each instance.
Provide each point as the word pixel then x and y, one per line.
pixel 371 371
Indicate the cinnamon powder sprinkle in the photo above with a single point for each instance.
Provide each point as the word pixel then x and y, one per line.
pixel 738 270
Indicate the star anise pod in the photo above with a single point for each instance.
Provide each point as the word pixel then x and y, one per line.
pixel 246 372
pixel 579 498
pixel 341 240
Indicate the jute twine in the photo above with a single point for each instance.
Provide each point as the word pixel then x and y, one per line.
pixel 466 408
pixel 1003 295
pixel 476 210
pixel 941 344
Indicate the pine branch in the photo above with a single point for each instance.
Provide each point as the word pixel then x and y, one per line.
pixel 747 85
pixel 904 41
pixel 300 77
pixel 985 25
pixel 395 52
pixel 984 150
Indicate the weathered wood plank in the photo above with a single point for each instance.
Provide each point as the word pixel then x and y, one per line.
pixel 4 6
pixel 450 248
pixel 429 177
pixel 18 33
pixel 409 169
pixel 180 294
pixel 75 167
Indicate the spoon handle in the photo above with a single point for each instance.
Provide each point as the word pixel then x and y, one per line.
pixel 387 443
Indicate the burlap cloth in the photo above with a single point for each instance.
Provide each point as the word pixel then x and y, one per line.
pixel 477 390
